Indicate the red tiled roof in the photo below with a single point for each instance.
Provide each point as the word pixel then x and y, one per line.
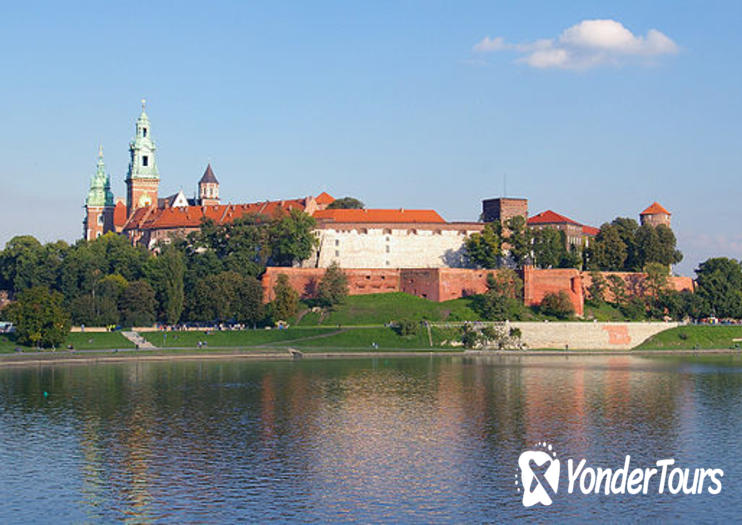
pixel 550 217
pixel 119 215
pixel 590 230
pixel 655 209
pixel 324 198
pixel 191 216
pixel 380 216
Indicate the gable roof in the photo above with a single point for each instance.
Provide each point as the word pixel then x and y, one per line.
pixel 550 217
pixel 119 215
pixel 208 176
pixel 590 230
pixel 191 216
pixel 324 198
pixel 379 216
pixel 655 209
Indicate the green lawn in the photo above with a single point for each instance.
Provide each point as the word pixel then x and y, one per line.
pixel 80 341
pixel 603 312
pixel 237 338
pixel 385 339
pixel 378 309
pixel 692 337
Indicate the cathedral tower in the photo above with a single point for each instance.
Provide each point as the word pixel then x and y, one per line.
pixel 99 204
pixel 208 188
pixel 142 179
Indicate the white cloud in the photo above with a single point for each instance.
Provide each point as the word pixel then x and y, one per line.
pixel 587 44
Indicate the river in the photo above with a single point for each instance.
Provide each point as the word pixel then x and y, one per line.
pixel 425 439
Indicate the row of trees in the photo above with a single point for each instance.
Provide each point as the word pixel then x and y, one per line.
pixel 621 245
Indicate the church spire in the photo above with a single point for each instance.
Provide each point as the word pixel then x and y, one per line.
pixel 100 185
pixel 143 178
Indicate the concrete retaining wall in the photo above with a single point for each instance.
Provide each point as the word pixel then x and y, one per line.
pixel 589 336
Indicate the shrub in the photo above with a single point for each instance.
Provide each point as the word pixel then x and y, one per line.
pixel 406 327
pixel 333 288
pixel 557 305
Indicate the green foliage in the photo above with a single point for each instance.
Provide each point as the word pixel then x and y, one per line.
pixel 623 245
pixel 635 309
pixel 658 278
pixel 286 302
pixel 229 296
pixel 596 290
pixel 346 203
pixel 549 248
pixel 165 272
pixel 292 239
pixel 333 287
pixel 519 241
pixel 720 286
pixel 506 282
pixel 406 327
pixel 39 317
pixel 137 304
pixel 617 287
pixel 91 310
pixel 485 249
pixel 557 305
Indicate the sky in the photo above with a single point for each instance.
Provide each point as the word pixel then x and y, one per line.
pixel 591 109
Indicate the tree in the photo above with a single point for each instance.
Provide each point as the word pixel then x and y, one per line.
pixel 229 296
pixel 485 249
pixel 548 248
pixel 292 238
pixel 558 305
pixel 617 287
pixel 94 310
pixel 333 287
pixel 286 302
pixel 165 273
pixel 720 285
pixel 658 279
pixel 137 304
pixel 39 317
pixel 596 290
pixel 346 203
pixel 518 240
pixel 609 251
pixel 667 245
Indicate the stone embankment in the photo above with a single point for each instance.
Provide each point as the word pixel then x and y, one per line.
pixel 588 336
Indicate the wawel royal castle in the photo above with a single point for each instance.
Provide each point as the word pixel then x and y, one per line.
pixel 369 238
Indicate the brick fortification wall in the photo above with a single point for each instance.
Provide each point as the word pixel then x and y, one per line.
pixel 538 283
pixel 443 284
pixel 636 283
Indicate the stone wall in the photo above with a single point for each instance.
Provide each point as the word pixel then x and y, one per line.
pixel 636 283
pixel 306 280
pixel 392 245
pixel 588 336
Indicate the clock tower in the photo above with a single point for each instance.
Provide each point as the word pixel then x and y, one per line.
pixel 142 179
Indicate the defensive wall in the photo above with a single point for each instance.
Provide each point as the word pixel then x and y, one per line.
pixel 443 284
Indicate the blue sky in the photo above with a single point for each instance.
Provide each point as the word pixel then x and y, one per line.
pixel 392 102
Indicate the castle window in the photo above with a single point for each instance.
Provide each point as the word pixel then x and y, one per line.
pixel 387 249
pixel 387 231
pixel 337 242
pixel 144 132
pixel 100 219
pixel 145 160
pixel 337 253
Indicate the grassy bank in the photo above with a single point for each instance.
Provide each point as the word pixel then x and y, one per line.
pixel 694 337
pixel 378 309
pixel 305 338
pixel 79 341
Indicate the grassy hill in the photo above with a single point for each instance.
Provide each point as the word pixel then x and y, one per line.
pixel 379 309
pixel 694 337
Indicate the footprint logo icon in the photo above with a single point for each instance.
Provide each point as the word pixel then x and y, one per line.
pixel 539 475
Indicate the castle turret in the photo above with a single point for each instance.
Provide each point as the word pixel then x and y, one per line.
pixel 142 179
pixel 655 215
pixel 99 204
pixel 208 188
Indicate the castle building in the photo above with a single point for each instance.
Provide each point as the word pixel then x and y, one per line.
pixel 655 215
pixel 208 188
pixel 575 234
pixel 99 204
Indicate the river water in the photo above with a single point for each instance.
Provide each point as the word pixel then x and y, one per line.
pixel 428 439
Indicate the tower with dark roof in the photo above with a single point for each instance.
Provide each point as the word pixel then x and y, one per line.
pixel 208 188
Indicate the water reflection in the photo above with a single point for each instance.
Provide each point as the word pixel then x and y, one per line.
pixel 424 439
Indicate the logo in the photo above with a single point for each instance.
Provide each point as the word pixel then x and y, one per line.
pixel 540 474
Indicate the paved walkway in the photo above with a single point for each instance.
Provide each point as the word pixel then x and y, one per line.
pixel 138 340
